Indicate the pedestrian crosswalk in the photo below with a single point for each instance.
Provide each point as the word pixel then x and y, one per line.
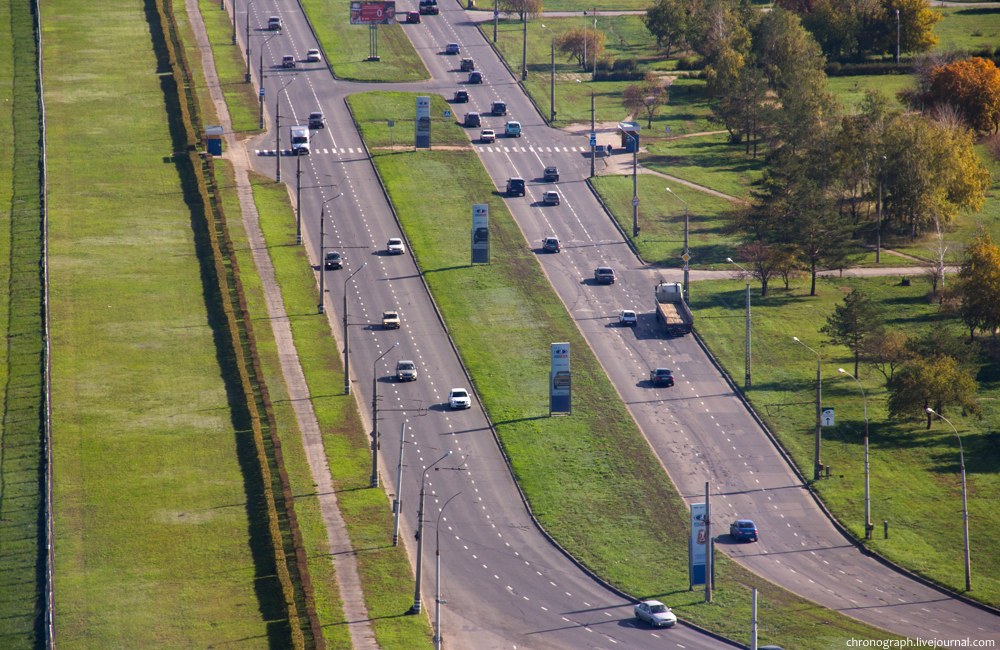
pixel 343 151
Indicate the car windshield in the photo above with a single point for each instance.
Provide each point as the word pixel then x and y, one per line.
pixel 459 393
pixel 658 609
pixel 406 365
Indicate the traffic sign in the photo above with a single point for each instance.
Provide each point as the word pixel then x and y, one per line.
pixel 686 257
pixel 447 114
pixel 635 201
pixel 262 92
pixel 593 139
pixel 391 123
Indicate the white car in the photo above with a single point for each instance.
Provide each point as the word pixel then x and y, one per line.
pixel 395 246
pixel 487 135
pixel 458 398
pixel 313 56
pixel 627 318
pixel 655 613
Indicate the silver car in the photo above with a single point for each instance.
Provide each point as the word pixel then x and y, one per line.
pixel 655 613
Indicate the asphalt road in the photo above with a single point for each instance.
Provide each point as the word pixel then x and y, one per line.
pixel 506 585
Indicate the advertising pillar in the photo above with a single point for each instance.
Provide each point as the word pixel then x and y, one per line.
pixel 480 233
pixel 422 136
pixel 560 381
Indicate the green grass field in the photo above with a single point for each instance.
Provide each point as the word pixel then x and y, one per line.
pixel 968 28
pixel 914 472
pixel 157 508
pixel 572 467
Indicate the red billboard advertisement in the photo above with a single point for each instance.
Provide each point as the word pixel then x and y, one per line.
pixel 373 13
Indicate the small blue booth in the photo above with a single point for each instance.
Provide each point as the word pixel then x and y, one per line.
pixel 213 140
pixel 629 132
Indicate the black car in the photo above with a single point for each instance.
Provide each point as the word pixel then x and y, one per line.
pixel 333 261
pixel 515 186
pixel 429 7
pixel 467 65
pixel 472 119
pixel 498 108
pixel 461 96
pixel 661 377
pixel 551 174
pixel 743 530
pixel 475 77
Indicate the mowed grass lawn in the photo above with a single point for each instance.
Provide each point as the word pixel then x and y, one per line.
pixel 153 519
pixel 580 473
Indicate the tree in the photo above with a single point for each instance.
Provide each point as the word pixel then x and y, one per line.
pixel 884 350
pixel 583 45
pixel 973 87
pixel 646 97
pixel 522 8
pixel 764 260
pixel 852 323
pixel 935 382
pixel 979 285
pixel 669 22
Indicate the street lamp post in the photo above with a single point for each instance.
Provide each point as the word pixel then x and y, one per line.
pixel 437 575
pixel 415 609
pixel 817 464
pixel 747 376
pixel 965 500
pixel 496 18
pixel 322 251
pixel 878 231
pixel 249 5
pixel 897 37
pixel 260 70
pixel 397 503
pixel 552 77
pixel 593 136
pixel 635 184
pixel 277 142
pixel 347 341
pixel 524 46
pixel 234 22
pixel 687 253
pixel 868 502
pixel 375 439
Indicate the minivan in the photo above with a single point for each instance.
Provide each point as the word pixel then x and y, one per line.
pixel 512 129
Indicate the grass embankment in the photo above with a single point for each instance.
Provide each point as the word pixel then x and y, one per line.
pixel 385 572
pixel 160 532
pixel 230 63
pixel 915 482
pixel 22 382
pixel 581 473
pixel 347 46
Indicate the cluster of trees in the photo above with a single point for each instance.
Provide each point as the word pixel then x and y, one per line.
pixel 935 370
pixel 856 29
pixel 585 46
pixel 970 86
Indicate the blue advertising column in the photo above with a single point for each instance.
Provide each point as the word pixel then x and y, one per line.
pixel 422 125
pixel 480 233
pixel 560 381
pixel 697 546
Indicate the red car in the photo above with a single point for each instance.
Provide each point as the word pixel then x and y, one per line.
pixel 413 16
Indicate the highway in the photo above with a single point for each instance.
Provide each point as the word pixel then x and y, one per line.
pixel 506 585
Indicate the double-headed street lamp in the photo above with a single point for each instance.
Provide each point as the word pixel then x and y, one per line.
pixel 965 500
pixel 687 253
pixel 437 574
pixel 746 359
pixel 420 534
pixel 322 249
pixel 260 69
pixel 347 341
pixel 552 77
pixel 375 438
pixel 868 502
pixel 817 464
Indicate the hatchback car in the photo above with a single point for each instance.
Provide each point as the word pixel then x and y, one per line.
pixel 551 174
pixel 313 56
pixel 451 48
pixel 395 246
pixel 655 613
pixel 475 77
pixel 550 198
pixel 458 398
pixel 743 530
pixel 472 119
pixel 551 245
pixel 467 65
pixel 287 61
pixel 406 371
pixel 316 120
pixel 413 17
pixel 661 377
pixel 461 96
pixel 333 260
pixel 627 318
pixel 487 135
pixel 498 108
pixel 512 129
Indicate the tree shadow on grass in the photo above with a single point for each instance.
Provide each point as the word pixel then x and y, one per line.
pixel 270 600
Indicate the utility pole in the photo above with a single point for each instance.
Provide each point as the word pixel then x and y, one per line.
pixel 347 341
pixel 415 609
pixel 524 46
pixel 250 4
pixel 397 503
pixel 593 137
pixel 496 18
pixel 375 439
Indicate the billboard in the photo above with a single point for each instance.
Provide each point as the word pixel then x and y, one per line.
pixel 698 545
pixel 480 233
pixel 560 380
pixel 422 125
pixel 373 13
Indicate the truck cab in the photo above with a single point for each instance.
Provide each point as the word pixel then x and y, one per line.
pixel 300 140
pixel 671 310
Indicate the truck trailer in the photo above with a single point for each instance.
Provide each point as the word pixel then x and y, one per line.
pixel 671 310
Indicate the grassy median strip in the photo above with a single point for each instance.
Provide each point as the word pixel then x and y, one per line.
pixel 591 478
pixel 22 382
pixel 160 533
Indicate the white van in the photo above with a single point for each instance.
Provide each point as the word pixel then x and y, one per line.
pixel 300 140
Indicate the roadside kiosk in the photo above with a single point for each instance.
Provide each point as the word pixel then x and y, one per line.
pixel 213 140
pixel 629 132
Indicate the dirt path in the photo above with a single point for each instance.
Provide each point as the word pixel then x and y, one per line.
pixel 339 544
